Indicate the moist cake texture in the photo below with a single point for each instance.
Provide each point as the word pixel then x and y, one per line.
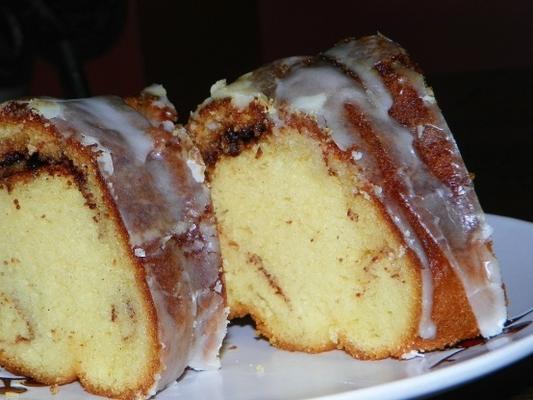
pixel 109 257
pixel 346 215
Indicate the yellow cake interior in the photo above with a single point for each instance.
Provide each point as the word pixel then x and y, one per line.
pixel 70 304
pixel 310 258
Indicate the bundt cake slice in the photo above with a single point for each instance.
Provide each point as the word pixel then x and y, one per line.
pixel 109 257
pixel 346 216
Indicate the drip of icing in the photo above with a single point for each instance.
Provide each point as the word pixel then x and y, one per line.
pixel 105 160
pixel 339 89
pixel 486 296
pixel 197 170
pixel 454 227
pixel 98 117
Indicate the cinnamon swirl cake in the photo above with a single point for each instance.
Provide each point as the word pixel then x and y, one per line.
pixel 346 215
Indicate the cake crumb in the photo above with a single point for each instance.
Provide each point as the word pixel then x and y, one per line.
pixel 213 126
pixel 232 243
pixel 54 389
pixel 411 354
pixel 260 369
pixel 365 195
pixel 352 215
pixel 401 251
pixel 31 148
pixel 139 252
pixel 357 155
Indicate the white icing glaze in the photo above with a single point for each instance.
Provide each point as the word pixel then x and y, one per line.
pixel 310 104
pixel 48 108
pixel 139 252
pixel 411 354
pixel 162 201
pixel 454 221
pixel 168 126
pixel 161 94
pixel 197 170
pixel 105 160
pixel 155 90
pixel 241 92
pixel 357 155
pixel 218 287
pixel 323 80
pixel 173 360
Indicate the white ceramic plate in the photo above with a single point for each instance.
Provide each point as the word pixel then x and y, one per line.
pixel 252 369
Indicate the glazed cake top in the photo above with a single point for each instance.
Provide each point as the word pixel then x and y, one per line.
pixel 373 102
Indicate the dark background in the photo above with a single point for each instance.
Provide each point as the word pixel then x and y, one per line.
pixel 477 55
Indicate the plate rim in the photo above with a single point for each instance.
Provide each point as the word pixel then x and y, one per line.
pixel 439 380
